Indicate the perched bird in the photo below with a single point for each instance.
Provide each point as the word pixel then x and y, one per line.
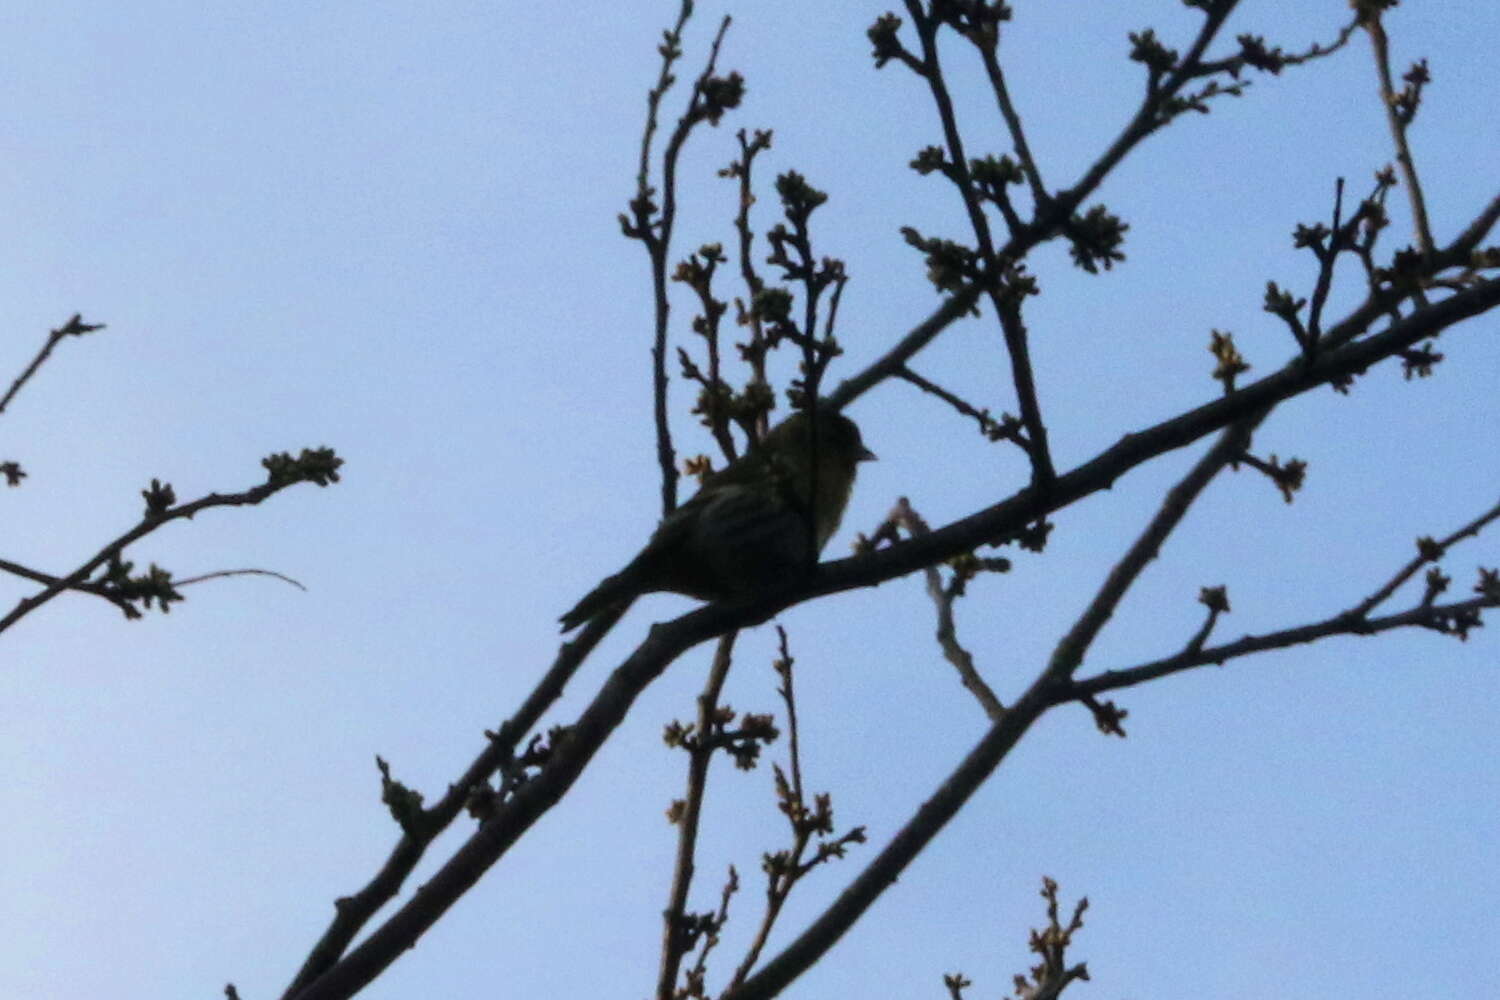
pixel 759 521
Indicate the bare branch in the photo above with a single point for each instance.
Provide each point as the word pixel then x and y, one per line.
pixel 354 911
pixel 785 868
pixel 1070 651
pixel 989 56
pixel 1007 307
pixel 909 841
pixel 1458 252
pixel 653 226
pixel 1428 551
pixel 947 631
pixel 74 327
pixel 1390 100
pixel 905 349
pixel 675 942
pixel 1146 119
pixel 1436 617
pixel 1043 226
pixel 669 640
pixel 98 590
pixel 220 574
pixel 1052 974
pixel 314 466
pixel 1255 53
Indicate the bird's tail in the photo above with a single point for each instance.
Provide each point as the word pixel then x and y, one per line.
pixel 614 590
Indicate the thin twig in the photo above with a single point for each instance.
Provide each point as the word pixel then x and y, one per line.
pixel 932 388
pixel 670 51
pixel 1458 252
pixel 1317 50
pixel 720 918
pixel 789 699
pixel 1326 261
pixel 237 572
pixel 890 363
pixel 74 327
pixel 1230 447
pixel 354 911
pixel 146 526
pixel 1425 555
pixel 1049 218
pixel 1144 122
pixel 947 630
pixel 674 941
pixel 47 579
pixel 784 869
pixel 989 56
pixel 659 247
pixel 1378 42
pixel 758 142
pixel 129 610
pixel 909 841
pixel 1023 379
pixel 1423 615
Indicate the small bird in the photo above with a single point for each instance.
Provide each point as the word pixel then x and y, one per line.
pixel 759 521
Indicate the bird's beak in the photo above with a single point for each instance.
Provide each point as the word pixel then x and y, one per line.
pixel 866 455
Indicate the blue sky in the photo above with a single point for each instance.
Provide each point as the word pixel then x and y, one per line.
pixel 392 230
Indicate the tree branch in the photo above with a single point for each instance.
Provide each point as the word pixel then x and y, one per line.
pixel 314 466
pixel 1231 445
pixel 1046 223
pixel 353 912
pixel 1427 616
pixel 74 327
pixel 675 942
pixel 665 642
pixel 1397 123
pixel 1430 552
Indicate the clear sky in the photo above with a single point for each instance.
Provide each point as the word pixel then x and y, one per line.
pixel 390 228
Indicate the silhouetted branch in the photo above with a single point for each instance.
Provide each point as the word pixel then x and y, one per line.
pixel 317 466
pixel 1439 618
pixel 74 327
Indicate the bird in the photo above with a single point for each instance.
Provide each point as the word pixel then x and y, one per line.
pixel 756 523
